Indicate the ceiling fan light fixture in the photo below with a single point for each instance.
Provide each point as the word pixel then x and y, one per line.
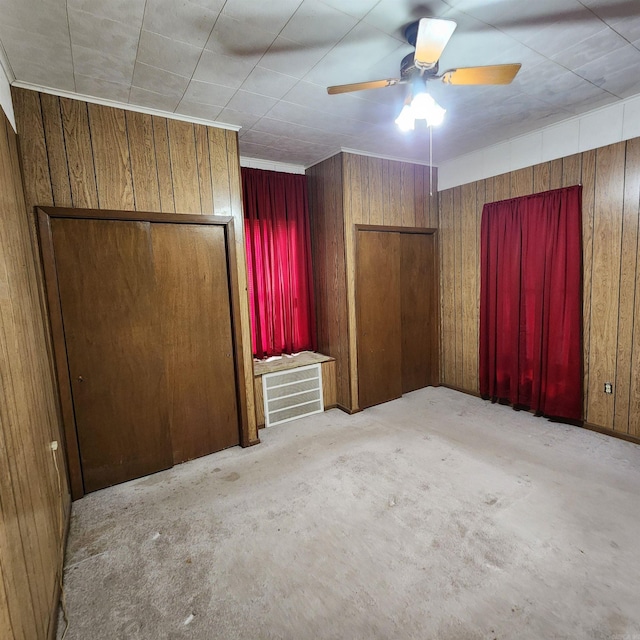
pixel 424 107
pixel 406 120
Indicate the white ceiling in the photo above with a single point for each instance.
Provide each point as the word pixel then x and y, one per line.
pixel 265 65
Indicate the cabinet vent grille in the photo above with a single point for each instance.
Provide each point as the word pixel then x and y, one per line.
pixel 291 394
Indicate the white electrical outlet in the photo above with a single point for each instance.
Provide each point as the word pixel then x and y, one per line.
pixel 608 387
pixel 54 445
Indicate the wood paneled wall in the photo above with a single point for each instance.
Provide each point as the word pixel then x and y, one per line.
pixel 611 256
pixel 34 497
pixel 76 154
pixel 346 190
pixel 325 185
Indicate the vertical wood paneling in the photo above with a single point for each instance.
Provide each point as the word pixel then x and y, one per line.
pixel 135 161
pixel 408 195
pixel 326 211
pixel 541 177
pixel 628 275
pixel 571 170
pixel 163 166
pixel 111 157
pixel 219 158
pixel 143 161
pixel 607 228
pixel 458 283
pixel 522 182
pixel 31 530
pixel 393 217
pixel 77 142
pixel 37 179
pixel 204 168
pixel 57 157
pixel 447 296
pixel 184 166
pixel 369 191
pixel 555 174
pixel 588 207
pixel 469 301
pixel 611 284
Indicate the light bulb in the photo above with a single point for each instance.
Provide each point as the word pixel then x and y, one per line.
pixel 406 119
pixel 426 108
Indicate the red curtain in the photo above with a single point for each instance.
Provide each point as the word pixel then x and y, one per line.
pixel 278 262
pixel 531 302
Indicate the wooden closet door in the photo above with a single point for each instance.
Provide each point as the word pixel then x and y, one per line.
pixel 193 292
pixel 378 317
pixel 111 327
pixel 419 303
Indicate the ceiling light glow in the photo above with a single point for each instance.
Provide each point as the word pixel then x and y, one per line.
pixel 421 107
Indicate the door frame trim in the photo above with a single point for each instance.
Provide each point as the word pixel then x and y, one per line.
pixel 54 313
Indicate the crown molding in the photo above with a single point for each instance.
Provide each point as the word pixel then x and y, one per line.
pixel 271 165
pixel 383 156
pixel 126 106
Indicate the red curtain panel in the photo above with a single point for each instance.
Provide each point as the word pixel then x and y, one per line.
pixel 531 302
pixel 278 262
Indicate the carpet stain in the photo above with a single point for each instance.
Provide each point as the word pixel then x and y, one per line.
pixel 232 477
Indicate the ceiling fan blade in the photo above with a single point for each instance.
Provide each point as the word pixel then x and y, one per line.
pixel 359 86
pixel 493 74
pixel 432 38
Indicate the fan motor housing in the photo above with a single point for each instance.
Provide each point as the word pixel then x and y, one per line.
pixel 408 67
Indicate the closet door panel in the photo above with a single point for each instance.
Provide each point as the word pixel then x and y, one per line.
pixel 190 264
pixel 378 317
pixel 419 311
pixel 111 327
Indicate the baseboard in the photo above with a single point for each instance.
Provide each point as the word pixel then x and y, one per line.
pixel 347 410
pixel 611 432
pixel 581 423
pixel 469 393
pixel 55 605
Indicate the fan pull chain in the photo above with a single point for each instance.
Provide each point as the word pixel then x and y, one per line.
pixel 430 161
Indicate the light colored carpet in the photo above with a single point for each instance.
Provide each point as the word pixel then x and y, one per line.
pixel 436 516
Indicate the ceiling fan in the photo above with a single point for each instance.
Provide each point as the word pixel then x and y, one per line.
pixel 430 36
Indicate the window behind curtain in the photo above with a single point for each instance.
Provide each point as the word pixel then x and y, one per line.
pixel 278 262
pixel 531 302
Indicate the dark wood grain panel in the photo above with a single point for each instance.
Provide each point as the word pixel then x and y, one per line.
pixel 31 504
pixel 219 158
pixel 419 311
pixel 469 273
pixel 421 199
pixel 408 198
pixel 77 142
pixel 115 359
pixel 184 166
pixel 522 182
pixel 628 276
pixel 447 295
pixel 111 157
pixel 144 170
pixel 56 153
pixel 196 319
pixel 607 228
pixel 36 176
pixel 541 177
pixel 393 217
pixel 502 187
pixel 204 168
pixel 555 174
pixel 377 307
pixel 572 170
pixel 588 209
pixel 163 165
pixel 375 194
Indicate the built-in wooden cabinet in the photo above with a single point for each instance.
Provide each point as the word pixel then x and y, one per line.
pixel 396 312
pixel 146 347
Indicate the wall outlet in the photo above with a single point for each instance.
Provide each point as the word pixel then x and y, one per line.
pixel 608 387
pixel 54 445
